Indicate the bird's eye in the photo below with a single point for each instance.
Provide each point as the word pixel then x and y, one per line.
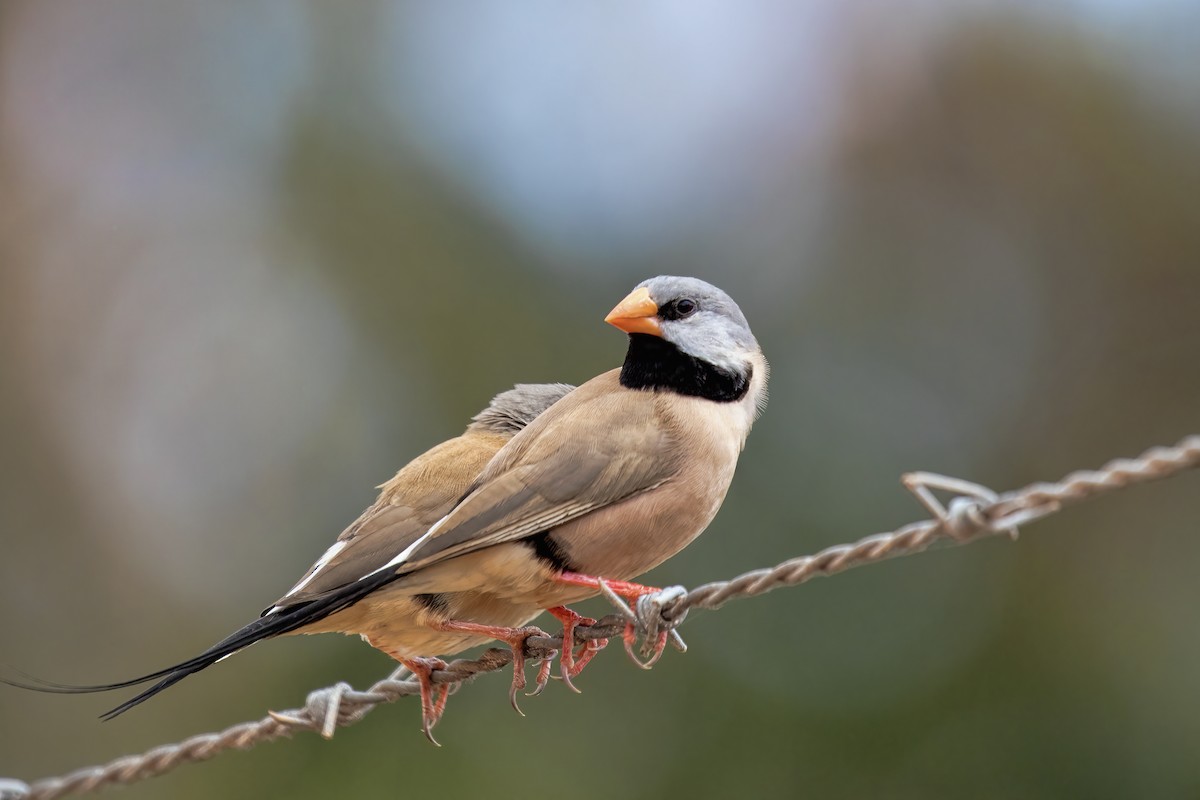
pixel 679 309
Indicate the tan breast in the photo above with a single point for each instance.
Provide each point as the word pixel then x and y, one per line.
pixel 628 538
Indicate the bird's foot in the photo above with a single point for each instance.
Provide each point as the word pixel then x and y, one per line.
pixel 630 639
pixel 431 709
pixel 544 666
pixel 572 662
pixel 515 638
pixel 630 592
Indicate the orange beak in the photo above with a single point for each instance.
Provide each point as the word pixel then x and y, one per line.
pixel 637 313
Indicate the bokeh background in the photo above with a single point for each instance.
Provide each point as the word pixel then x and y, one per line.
pixel 253 257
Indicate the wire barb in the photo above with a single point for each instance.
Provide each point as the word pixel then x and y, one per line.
pixel 964 518
pixel 14 790
pixel 649 618
pixel 974 512
pixel 652 619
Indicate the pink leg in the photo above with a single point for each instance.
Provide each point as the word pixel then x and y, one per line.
pixel 628 591
pixel 431 710
pixel 571 663
pixel 514 638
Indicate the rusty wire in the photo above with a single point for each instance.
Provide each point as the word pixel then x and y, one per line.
pixel 973 512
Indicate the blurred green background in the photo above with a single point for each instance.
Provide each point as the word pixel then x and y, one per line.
pixel 254 257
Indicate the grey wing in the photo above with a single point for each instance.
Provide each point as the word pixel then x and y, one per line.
pixel 363 548
pixel 413 501
pixel 590 455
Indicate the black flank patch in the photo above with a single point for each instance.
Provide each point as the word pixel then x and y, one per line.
pixel 434 602
pixel 549 550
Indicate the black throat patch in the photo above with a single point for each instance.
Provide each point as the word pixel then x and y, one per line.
pixel 654 363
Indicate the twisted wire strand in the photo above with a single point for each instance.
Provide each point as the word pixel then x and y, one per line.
pixel 973 513
pixel 965 521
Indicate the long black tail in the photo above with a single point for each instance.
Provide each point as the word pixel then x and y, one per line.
pixel 286 620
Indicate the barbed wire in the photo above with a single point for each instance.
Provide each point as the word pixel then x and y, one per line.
pixel 972 513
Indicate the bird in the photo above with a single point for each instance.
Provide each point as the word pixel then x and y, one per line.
pixel 605 484
pixel 417 496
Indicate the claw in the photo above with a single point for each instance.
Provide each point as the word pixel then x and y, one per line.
pixel 514 638
pixel 431 710
pixel 630 639
pixel 617 593
pixel 587 651
pixel 570 662
pixel 517 643
pixel 543 676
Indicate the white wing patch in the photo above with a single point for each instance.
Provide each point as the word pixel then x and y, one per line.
pixel 337 547
pixel 403 555
pixel 321 564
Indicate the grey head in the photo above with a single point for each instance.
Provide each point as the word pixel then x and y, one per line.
pixel 510 411
pixel 702 321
